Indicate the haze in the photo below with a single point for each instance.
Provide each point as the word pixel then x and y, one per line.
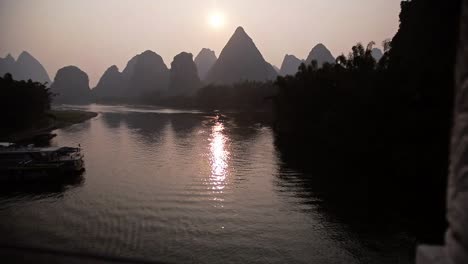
pixel 94 35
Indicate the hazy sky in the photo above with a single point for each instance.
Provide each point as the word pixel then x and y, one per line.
pixel 95 34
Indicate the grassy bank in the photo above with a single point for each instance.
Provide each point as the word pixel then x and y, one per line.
pixel 54 119
pixel 64 118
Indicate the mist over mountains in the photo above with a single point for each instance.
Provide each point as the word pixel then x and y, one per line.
pixel 290 65
pixel 204 61
pixel 25 68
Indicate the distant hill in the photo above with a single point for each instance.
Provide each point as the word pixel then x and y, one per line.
pixel 240 60
pixel 111 84
pixel 7 65
pixel 377 54
pixel 277 70
pixel 290 65
pixel 204 61
pixel 71 86
pixel 184 78
pixel 145 73
pixel 25 68
pixel 321 54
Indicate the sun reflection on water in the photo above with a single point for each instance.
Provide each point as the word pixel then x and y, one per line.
pixel 219 157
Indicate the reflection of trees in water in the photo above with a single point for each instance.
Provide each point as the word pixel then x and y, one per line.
pixel 147 126
pixel 317 189
pixel 239 126
pixel 112 120
pixel 185 124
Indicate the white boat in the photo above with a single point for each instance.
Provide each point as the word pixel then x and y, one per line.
pixel 38 164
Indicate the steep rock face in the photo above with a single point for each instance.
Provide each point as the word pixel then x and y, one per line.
pixel 71 86
pixel 146 73
pixel 321 54
pixel 240 60
pixel 204 61
pixel 7 65
pixel 25 68
pixel 377 54
pixel 290 65
pixel 184 78
pixel 277 70
pixel 29 68
pixel 111 84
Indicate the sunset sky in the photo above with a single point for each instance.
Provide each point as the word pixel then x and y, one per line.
pixel 95 34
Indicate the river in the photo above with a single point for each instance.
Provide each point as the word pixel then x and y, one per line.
pixel 178 186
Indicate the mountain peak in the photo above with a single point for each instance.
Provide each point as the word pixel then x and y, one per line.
pixel 25 55
pixel 320 46
pixel 28 67
pixel 206 52
pixel 9 58
pixel 240 30
pixel 148 52
pixel 204 61
pixel 321 54
pixel 240 34
pixel 240 60
pixel 72 85
pixel 113 68
pixel 184 55
pixel 110 85
pixel 184 79
pixel 290 65
pixel 145 73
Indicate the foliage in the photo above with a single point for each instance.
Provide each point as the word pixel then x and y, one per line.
pixel 380 129
pixel 243 96
pixel 24 103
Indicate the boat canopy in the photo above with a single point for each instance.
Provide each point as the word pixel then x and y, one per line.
pixel 40 150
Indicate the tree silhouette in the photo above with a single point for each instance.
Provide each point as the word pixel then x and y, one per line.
pixel 381 128
pixel 24 104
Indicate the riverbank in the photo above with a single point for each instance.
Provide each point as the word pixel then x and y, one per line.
pixel 54 119
pixel 64 118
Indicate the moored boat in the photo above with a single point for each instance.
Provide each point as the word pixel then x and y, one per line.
pixel 39 164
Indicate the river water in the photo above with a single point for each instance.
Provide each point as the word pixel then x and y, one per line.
pixel 189 187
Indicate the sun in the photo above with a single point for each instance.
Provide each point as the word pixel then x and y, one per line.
pixel 216 20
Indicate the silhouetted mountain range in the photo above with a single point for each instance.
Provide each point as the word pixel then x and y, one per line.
pixel 240 60
pixel 71 86
pixel 25 68
pixel 290 65
pixel 321 54
pixel 184 78
pixel 111 84
pixel 7 65
pixel 145 73
pixel 377 54
pixel 276 68
pixel 204 61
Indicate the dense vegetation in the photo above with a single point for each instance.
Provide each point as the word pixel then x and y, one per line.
pixel 242 96
pixel 380 131
pixel 24 104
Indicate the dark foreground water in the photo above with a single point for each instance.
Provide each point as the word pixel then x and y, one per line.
pixel 190 187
